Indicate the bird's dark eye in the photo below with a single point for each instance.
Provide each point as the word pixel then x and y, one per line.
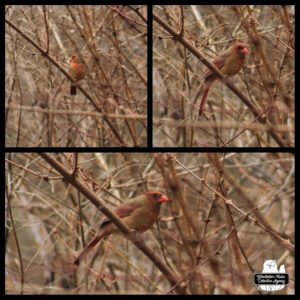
pixel 156 196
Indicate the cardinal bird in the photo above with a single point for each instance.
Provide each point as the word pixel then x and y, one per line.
pixel 229 62
pixel 139 213
pixel 77 71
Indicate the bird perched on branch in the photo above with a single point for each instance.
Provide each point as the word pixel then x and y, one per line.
pixel 229 62
pixel 139 213
pixel 77 71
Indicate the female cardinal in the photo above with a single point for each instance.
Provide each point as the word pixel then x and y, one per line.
pixel 77 71
pixel 140 213
pixel 229 62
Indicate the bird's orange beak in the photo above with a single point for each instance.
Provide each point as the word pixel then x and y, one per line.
pixel 245 50
pixel 163 198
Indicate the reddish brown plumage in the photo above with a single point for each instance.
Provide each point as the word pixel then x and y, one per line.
pixel 229 62
pixel 77 71
pixel 139 213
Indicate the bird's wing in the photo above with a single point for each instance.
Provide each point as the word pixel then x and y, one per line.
pixel 124 210
pixel 219 62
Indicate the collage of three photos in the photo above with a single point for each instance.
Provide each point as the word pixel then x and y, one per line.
pixel 150 149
